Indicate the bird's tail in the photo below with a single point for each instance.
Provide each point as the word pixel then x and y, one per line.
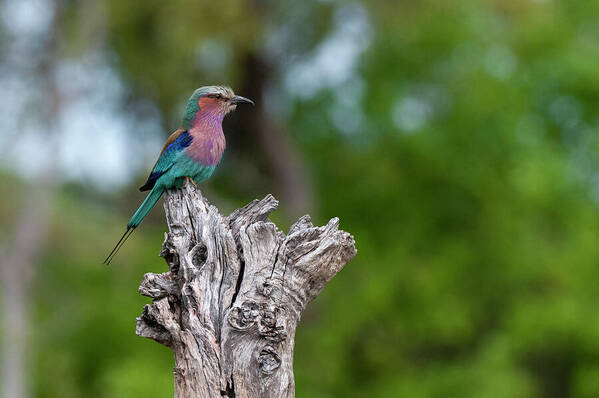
pixel 118 245
pixel 145 207
pixel 137 218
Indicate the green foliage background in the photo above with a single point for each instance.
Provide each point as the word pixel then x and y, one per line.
pixel 477 230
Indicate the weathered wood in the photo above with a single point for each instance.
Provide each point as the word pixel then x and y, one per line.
pixel 234 293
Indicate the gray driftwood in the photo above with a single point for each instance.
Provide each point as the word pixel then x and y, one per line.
pixel 234 293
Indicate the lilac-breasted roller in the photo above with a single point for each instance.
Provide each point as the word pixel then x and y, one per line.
pixel 193 151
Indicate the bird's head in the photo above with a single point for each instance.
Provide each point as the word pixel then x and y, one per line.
pixel 214 101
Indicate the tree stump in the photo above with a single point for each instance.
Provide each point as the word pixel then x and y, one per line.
pixel 234 293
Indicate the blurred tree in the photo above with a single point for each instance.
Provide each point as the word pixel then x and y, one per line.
pixel 31 224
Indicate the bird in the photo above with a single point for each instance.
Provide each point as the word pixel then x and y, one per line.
pixel 192 151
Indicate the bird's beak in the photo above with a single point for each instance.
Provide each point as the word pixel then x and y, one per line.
pixel 238 99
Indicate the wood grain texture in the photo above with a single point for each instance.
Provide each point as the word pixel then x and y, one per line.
pixel 236 287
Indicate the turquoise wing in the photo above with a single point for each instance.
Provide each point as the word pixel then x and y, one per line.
pixel 176 143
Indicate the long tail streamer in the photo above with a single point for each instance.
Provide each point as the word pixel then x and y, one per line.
pixel 119 244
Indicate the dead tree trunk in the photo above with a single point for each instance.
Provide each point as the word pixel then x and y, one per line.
pixel 234 293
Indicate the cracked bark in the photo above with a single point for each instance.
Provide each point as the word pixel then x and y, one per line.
pixel 234 293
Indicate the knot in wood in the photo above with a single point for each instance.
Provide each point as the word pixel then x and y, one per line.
pixel 268 289
pixel 199 254
pixel 269 320
pixel 268 360
pixel 244 317
pixel 269 326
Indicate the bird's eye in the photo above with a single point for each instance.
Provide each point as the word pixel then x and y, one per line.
pixel 217 96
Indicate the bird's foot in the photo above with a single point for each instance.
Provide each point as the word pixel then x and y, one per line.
pixel 191 181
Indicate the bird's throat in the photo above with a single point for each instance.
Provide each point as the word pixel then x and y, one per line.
pixel 208 143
